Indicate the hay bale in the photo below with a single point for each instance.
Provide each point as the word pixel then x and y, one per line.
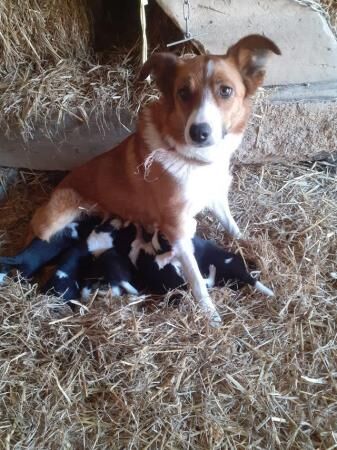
pixel 48 69
pixel 41 33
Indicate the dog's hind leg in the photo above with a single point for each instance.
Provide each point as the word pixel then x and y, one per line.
pixel 64 206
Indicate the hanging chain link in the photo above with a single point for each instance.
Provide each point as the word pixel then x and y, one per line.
pixel 186 13
pixel 187 34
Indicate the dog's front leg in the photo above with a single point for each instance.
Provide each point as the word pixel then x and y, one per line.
pixel 220 209
pixel 183 250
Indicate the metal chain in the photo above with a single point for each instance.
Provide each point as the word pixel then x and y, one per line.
pixel 187 34
pixel 186 13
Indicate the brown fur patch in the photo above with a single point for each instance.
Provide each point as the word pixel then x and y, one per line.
pixel 62 208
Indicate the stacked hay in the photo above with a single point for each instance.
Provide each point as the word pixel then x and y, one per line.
pixel 48 68
pixel 150 375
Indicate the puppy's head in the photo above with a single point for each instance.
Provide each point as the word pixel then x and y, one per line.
pixel 207 95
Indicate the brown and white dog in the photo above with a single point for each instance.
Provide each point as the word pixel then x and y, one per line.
pixel 177 161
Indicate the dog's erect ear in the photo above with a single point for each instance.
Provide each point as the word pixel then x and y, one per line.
pixel 163 67
pixel 250 54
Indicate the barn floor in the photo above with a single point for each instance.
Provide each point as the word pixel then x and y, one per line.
pixel 148 375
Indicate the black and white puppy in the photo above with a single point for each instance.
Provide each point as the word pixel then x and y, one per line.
pixel 91 261
pixel 124 257
pixel 40 253
pixel 111 266
pixel 66 278
pixel 161 272
pixel 219 266
pixel 154 260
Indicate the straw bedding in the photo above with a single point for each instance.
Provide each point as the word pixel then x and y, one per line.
pixel 143 373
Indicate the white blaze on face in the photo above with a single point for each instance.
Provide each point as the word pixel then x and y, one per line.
pixel 207 112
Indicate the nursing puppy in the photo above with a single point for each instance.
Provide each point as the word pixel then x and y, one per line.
pixel 94 260
pixel 65 281
pixel 39 253
pixel 112 266
pixel 177 161
pixel 161 272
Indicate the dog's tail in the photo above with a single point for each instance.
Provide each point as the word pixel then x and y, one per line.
pixel 64 206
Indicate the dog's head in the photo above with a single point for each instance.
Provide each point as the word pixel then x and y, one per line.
pixel 207 95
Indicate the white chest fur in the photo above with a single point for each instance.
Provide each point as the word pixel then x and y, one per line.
pixel 201 184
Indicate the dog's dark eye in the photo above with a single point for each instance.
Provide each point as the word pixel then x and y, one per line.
pixel 225 91
pixel 184 94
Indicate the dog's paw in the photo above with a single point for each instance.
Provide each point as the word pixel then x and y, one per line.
pixel 235 232
pixel 209 309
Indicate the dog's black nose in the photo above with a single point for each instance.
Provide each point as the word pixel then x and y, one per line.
pixel 200 132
